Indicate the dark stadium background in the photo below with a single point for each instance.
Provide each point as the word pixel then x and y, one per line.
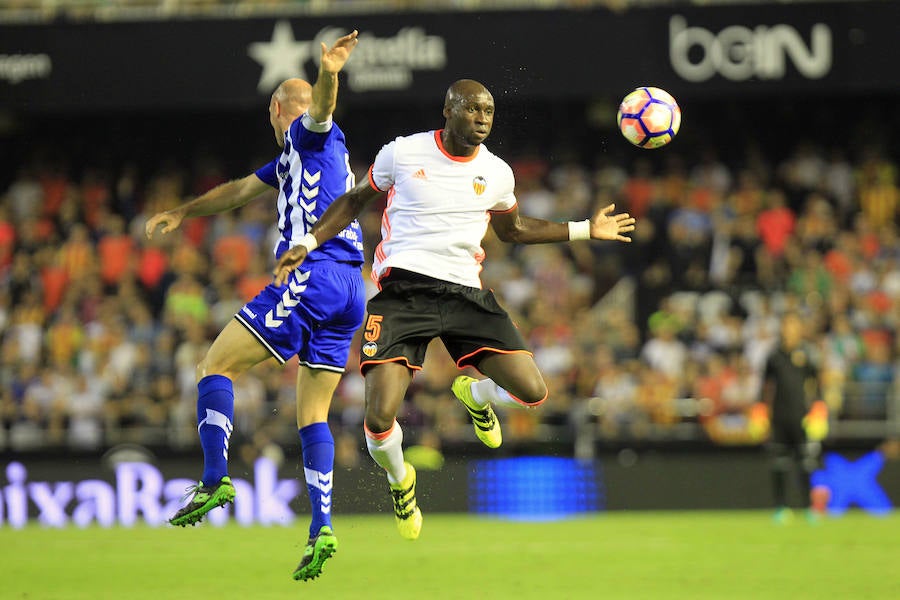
pixel 144 109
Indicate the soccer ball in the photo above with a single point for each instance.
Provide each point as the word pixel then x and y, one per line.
pixel 649 117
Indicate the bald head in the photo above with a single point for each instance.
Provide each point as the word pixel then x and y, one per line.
pixel 462 90
pixel 469 114
pixel 289 100
pixel 293 95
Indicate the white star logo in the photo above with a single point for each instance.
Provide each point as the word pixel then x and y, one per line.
pixel 281 58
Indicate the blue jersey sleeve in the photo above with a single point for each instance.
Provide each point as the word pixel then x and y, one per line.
pixel 267 174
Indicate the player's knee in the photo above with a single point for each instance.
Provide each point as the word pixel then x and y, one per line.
pixel 202 369
pixel 208 366
pixel 533 393
pixel 378 421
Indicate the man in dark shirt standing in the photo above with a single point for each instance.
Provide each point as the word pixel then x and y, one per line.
pixel 789 385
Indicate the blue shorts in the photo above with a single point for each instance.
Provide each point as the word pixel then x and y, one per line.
pixel 314 315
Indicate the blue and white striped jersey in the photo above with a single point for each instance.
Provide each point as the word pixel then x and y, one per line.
pixel 310 173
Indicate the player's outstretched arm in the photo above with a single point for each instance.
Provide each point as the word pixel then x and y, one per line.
pixel 324 92
pixel 517 228
pixel 221 198
pixel 339 214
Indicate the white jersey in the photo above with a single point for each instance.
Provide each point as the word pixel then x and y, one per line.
pixel 438 207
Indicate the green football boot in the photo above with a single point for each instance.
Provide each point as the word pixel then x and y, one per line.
pixel 205 498
pixel 318 549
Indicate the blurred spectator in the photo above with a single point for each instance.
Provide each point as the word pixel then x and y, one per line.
pixel 7 239
pixel 664 352
pixel 879 196
pixel 24 197
pixel 84 408
pixel 186 302
pixel 231 250
pixel 78 254
pixel 775 224
pixel 872 380
pixel 802 172
pixel 840 185
pixel 115 250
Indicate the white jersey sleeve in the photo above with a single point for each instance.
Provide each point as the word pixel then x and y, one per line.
pixel 507 199
pixel 382 172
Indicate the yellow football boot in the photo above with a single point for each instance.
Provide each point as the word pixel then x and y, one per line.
pixel 406 511
pixel 484 420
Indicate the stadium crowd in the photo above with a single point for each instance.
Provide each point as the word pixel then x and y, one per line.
pixel 664 338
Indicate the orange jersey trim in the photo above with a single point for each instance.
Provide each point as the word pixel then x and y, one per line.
pixel 370 363
pixel 440 145
pixel 372 181
pixel 503 212
pixel 378 436
pixel 498 351
pixel 377 279
pixel 386 226
pixel 488 349
pixel 532 405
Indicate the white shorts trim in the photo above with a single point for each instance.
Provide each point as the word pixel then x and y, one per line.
pixel 262 340
pixel 319 367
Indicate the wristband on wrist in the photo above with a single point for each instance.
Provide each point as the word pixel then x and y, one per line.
pixel 580 230
pixel 309 242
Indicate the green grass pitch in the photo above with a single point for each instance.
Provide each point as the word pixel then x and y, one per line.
pixel 622 555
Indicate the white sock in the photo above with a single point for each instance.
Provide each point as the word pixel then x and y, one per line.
pixel 487 392
pixel 386 449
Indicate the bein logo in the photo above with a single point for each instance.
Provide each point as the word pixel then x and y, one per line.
pixel 139 492
pixel 739 53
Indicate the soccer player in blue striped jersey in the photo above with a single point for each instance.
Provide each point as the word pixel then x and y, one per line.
pixel 314 316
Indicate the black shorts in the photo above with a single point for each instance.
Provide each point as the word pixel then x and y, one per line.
pixel 789 440
pixel 788 433
pixel 413 309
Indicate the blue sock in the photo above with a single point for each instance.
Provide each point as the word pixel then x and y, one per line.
pixel 215 410
pixel 318 465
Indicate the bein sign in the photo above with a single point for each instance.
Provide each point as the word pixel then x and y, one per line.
pixel 739 53
pixel 140 492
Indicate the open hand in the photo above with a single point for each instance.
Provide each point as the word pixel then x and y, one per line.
pixel 333 59
pixel 605 226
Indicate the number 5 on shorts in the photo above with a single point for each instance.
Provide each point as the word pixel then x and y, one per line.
pixel 373 328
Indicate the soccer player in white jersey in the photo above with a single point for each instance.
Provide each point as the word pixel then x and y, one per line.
pixel 314 317
pixel 443 189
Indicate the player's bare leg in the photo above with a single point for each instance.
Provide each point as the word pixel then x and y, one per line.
pixel 516 374
pixel 514 380
pixel 233 352
pixel 386 385
pixel 315 388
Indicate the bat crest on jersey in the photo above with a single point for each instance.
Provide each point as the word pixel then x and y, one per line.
pixel 479 184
